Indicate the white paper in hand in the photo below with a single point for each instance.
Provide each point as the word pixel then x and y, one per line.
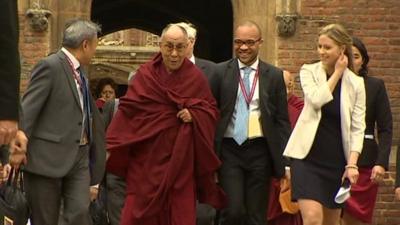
pixel 344 192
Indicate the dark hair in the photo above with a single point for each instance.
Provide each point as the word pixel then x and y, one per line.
pixel 364 54
pixel 102 83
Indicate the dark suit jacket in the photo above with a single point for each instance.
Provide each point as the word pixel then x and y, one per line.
pixel 209 69
pixel 52 121
pixel 109 112
pixel 377 111
pixel 273 104
pixel 206 66
pixel 9 60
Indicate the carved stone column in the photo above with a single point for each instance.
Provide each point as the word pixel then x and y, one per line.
pixel 38 17
pixel 63 10
pixel 263 13
pixel 286 24
pixel 287 17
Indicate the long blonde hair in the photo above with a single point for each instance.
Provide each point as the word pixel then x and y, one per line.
pixel 339 34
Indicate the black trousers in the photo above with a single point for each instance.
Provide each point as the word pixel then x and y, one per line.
pixel 245 177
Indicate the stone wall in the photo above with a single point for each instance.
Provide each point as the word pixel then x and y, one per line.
pixel 376 22
pixel 34 44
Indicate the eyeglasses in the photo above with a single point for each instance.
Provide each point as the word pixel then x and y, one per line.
pixel 169 47
pixel 248 43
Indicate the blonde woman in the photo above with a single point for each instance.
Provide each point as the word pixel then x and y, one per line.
pixel 327 139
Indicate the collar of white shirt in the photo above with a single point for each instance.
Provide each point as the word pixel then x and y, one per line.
pixel 254 66
pixel 74 61
pixel 192 59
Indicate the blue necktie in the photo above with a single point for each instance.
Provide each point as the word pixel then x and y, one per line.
pixel 86 104
pixel 242 112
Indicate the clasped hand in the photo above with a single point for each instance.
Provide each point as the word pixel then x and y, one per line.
pixel 184 115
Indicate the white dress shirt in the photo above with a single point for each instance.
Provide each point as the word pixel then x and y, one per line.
pixel 255 101
pixel 76 65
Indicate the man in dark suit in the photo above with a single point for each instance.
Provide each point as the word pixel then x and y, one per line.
pixel 9 83
pixel 9 70
pixel 115 185
pixel 205 214
pixel 253 128
pixel 206 66
pixel 66 150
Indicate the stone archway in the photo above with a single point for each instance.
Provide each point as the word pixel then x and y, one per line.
pixel 213 20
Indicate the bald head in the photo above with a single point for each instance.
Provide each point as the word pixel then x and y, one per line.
pixel 174 31
pixel 173 46
pixel 250 24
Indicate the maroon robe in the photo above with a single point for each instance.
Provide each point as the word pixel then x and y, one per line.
pixel 361 204
pixel 295 105
pixel 165 161
pixel 275 216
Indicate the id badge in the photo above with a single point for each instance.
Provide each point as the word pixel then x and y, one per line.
pixel 254 125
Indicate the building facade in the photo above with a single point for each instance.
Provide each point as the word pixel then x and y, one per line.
pixel 289 28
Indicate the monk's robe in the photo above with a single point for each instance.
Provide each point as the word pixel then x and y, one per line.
pixel 167 163
pixel 275 215
pixel 295 105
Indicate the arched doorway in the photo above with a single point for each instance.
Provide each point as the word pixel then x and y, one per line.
pixel 212 18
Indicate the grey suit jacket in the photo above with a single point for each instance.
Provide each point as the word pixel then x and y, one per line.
pixel 206 66
pixel 273 105
pixel 52 121
pixel 209 69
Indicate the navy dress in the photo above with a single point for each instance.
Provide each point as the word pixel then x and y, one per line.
pixel 318 176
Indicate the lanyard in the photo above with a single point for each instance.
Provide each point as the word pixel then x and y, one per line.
pixel 253 88
pixel 75 74
pixel 85 97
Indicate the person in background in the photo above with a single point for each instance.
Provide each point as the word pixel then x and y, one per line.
pixel 328 137
pixel 206 66
pixel 66 149
pixel 397 183
pixel 276 214
pixel 105 91
pixel 205 214
pixel 253 128
pixel 10 70
pixel 115 185
pixel 374 159
pixel 295 104
pixel 161 138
